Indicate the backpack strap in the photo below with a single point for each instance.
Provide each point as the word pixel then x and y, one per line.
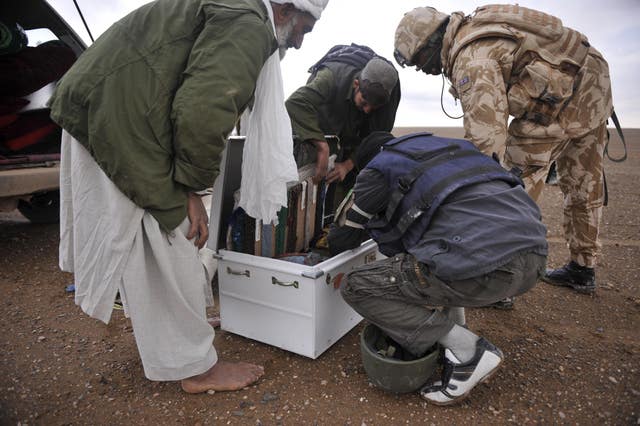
pixel 354 54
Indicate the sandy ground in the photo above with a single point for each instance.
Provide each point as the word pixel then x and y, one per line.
pixel 570 358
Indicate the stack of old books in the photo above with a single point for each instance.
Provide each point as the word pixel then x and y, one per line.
pixel 299 223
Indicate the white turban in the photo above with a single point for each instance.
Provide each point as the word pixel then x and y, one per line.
pixel 314 7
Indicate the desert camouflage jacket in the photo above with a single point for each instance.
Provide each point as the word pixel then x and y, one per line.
pixel 509 60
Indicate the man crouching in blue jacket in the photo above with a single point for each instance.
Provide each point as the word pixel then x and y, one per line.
pixel 458 230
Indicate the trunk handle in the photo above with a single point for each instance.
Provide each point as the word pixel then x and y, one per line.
pixel 293 284
pixel 246 272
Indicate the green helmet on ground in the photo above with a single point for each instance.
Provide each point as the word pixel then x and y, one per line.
pixel 414 31
pixel 391 368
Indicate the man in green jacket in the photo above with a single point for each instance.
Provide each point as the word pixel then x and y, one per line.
pixel 352 92
pixel 146 111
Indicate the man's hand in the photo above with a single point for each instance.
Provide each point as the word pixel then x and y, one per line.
pixel 340 171
pixel 322 161
pixel 199 227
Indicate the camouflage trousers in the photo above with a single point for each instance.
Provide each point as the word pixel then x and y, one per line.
pixel 579 161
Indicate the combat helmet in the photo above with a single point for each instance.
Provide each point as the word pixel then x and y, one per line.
pixel 414 31
pixel 390 367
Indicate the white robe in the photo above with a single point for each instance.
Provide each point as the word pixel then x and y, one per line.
pixel 112 245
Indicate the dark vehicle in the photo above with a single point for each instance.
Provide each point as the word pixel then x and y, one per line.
pixel 29 141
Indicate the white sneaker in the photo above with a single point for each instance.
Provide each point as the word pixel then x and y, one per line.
pixel 458 379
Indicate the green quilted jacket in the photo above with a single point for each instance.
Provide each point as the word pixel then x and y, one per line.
pixel 154 98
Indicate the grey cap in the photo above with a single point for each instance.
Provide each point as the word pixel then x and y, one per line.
pixel 382 72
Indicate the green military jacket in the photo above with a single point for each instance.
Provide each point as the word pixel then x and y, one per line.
pixel 154 98
pixel 325 106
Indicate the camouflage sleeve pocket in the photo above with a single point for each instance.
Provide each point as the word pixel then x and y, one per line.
pixel 479 85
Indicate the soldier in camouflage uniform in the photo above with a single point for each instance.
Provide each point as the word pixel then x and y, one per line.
pixel 507 60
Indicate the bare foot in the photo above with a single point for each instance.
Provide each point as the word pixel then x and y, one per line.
pixel 214 321
pixel 224 376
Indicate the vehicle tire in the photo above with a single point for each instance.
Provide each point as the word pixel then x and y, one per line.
pixel 42 208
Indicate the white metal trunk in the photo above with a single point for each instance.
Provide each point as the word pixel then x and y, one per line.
pixel 294 307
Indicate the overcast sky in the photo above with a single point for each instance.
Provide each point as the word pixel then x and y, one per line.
pixel 612 26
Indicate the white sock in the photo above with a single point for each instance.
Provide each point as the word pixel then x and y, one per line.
pixel 457 315
pixel 461 342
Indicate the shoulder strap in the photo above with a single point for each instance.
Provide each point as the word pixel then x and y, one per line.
pixel 425 204
pixel 614 118
pixel 406 182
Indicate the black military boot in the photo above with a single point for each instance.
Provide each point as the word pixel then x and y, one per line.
pixel 579 278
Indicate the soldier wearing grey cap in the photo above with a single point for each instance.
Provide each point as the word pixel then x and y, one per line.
pixel 352 92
